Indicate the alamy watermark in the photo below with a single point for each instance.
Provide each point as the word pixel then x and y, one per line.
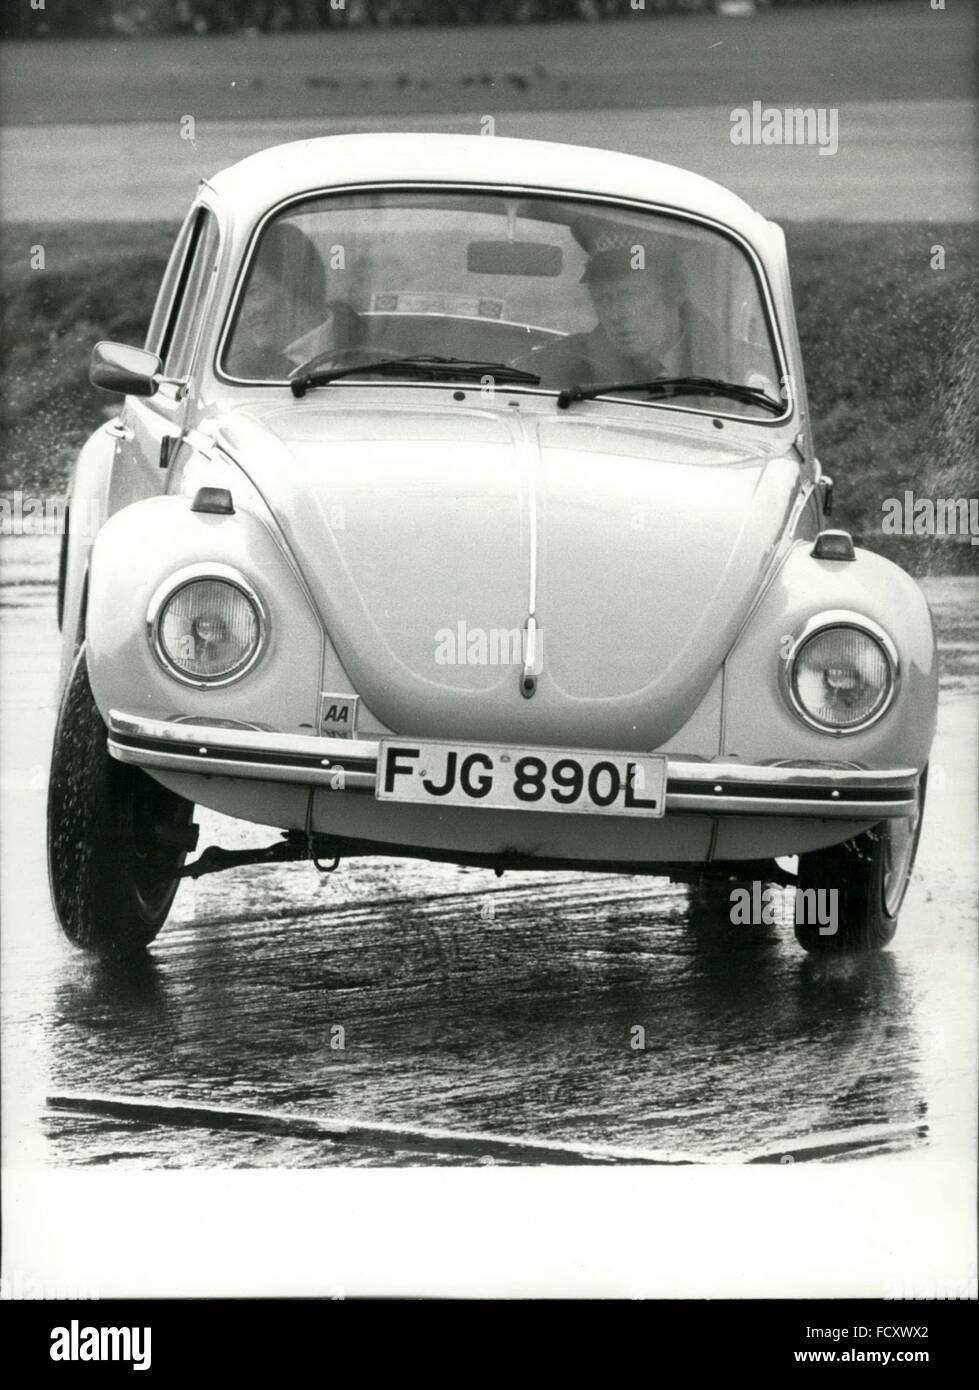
pixel 21 1286
pixel 757 905
pixel 496 646
pixel 795 125
pixel 83 1343
pixel 912 1286
pixel 29 514
pixel 928 516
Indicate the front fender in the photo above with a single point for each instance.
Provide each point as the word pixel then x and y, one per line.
pixel 758 724
pixel 137 550
pixel 88 502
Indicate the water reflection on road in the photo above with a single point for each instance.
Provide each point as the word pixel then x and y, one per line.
pixel 592 1009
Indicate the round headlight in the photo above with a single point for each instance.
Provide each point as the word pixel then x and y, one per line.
pixel 842 677
pixel 208 630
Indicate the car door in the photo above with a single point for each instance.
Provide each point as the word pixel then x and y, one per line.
pixel 149 427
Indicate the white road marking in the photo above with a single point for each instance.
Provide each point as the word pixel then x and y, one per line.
pixel 375 1133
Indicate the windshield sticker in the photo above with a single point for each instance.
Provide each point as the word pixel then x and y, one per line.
pixel 433 302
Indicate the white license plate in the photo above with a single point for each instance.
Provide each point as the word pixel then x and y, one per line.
pixel 521 779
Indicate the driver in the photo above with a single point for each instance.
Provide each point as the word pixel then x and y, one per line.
pixel 645 326
pixel 285 318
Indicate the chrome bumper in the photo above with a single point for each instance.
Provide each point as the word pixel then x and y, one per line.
pixel 350 765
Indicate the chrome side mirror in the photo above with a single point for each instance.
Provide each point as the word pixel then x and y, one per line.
pixel 130 371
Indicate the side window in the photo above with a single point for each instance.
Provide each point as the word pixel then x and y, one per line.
pixel 180 338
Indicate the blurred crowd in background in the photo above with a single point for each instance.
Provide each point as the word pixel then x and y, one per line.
pixel 61 18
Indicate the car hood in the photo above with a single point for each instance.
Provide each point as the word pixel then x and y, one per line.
pixel 426 533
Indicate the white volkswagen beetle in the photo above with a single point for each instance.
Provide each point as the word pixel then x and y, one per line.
pixel 463 505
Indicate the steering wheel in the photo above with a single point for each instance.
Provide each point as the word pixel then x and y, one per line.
pixel 579 361
pixel 548 361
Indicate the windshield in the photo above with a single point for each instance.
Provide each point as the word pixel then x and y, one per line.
pixel 569 291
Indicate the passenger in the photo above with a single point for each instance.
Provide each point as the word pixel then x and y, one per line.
pixel 285 318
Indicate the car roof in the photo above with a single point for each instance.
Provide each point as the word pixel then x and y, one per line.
pixel 261 181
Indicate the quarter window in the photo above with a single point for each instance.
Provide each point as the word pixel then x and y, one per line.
pixel 199 269
pixel 166 297
pixel 172 333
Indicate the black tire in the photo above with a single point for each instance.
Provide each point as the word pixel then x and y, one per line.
pixel 115 836
pixel 870 875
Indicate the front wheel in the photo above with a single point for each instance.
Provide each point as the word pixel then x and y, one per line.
pixel 852 893
pixel 116 838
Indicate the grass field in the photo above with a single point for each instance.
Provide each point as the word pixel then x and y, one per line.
pixel 800 56
pixel 890 345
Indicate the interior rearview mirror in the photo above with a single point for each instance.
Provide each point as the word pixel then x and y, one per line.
pixel 514 258
pixel 131 371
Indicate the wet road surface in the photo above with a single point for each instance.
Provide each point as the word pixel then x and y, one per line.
pixel 404 994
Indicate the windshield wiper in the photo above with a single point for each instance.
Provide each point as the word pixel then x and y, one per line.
pixel 673 386
pixel 430 367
